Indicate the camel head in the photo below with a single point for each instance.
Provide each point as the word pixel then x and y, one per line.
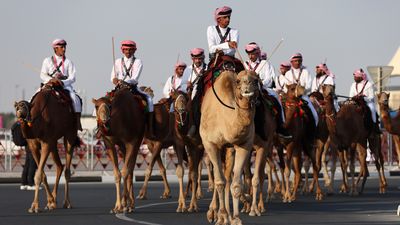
pixel 247 88
pixel 22 109
pixel 294 90
pixel 103 110
pixel 327 90
pixel 383 99
pixel 147 90
pixel 180 100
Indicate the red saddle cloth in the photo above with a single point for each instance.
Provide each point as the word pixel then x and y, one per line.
pixel 215 69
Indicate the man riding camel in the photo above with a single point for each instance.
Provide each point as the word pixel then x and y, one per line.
pixel 62 69
pixel 323 77
pixel 298 74
pixel 128 69
pixel 281 80
pixel 176 82
pixel 266 73
pixel 194 72
pixel 364 88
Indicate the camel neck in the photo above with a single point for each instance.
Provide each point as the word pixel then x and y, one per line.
pixel 386 119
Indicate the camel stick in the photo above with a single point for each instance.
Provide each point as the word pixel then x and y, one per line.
pixel 240 57
pixel 275 49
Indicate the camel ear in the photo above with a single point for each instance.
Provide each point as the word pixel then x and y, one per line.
pixel 94 101
pixel 15 104
pixel 379 95
pixel 388 94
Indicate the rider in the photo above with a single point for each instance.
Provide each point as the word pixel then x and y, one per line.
pixel 194 72
pixel 323 77
pixel 364 88
pixel 176 82
pixel 62 68
pixel 298 74
pixel 281 80
pixel 127 69
pixel 266 73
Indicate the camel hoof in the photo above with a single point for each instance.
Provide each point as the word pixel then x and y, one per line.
pixel 254 213
pixel 210 215
pixel 141 196
pixel 31 210
pixel 165 196
pixel 236 221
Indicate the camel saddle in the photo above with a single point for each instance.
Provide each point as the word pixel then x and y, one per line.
pixel 133 89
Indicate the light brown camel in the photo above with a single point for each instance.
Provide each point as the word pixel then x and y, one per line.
pixel 122 123
pixel 392 125
pixel 301 125
pixel 43 121
pixel 227 119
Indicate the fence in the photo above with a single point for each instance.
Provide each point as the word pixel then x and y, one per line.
pixel 91 155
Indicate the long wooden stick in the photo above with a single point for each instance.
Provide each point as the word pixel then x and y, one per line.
pixel 275 49
pixel 113 55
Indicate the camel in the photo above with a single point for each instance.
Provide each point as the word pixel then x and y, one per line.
pixel 301 125
pixel 171 130
pixel 43 121
pixel 228 120
pixel 121 122
pixel 352 135
pixel 392 125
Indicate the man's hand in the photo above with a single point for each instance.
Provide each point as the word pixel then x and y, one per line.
pixel 115 81
pixel 189 85
pixel 232 44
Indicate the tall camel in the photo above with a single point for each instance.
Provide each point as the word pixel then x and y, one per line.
pixel 392 125
pixel 43 121
pixel 301 126
pixel 352 135
pixel 228 120
pixel 122 123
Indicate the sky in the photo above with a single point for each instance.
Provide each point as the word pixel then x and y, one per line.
pixel 349 34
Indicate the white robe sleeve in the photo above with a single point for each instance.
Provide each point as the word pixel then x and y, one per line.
pixel 167 88
pixel 213 43
pixel 71 74
pixel 44 73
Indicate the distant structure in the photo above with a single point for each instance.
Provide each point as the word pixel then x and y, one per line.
pixel 381 76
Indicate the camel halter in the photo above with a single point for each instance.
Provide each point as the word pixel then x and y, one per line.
pixel 104 124
pixel 182 120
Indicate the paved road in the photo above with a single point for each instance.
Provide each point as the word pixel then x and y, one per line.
pixel 92 202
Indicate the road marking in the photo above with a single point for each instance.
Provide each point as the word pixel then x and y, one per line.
pixel 123 216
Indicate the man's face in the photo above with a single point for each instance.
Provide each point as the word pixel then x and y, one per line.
pixel 253 56
pixel 179 71
pixel 358 79
pixel 60 50
pixel 224 21
pixel 197 61
pixel 296 63
pixel 128 52
pixel 319 71
pixel 283 70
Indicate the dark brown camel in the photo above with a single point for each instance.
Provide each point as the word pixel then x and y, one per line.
pixel 122 124
pixel 300 125
pixel 392 125
pixel 352 135
pixel 43 121
pixel 174 126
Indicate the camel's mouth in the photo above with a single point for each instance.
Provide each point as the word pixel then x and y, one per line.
pixel 247 94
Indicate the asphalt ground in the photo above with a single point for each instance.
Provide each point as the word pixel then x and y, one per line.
pixel 92 202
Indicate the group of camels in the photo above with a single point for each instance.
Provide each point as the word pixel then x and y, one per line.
pixel 231 128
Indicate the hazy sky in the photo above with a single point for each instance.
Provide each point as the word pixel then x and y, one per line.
pixel 349 33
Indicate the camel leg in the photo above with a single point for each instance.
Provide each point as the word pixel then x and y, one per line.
pixel 179 149
pixel 261 203
pixel 270 170
pixel 167 189
pixel 273 170
pixel 375 146
pixel 39 175
pixel 199 191
pixel 112 152
pixel 131 204
pixel 210 174
pixel 282 170
pixel 259 167
pixel 194 156
pixel 344 164
pixel 67 174
pixel 59 169
pixel 215 158
pixel 229 163
pixel 212 213
pixel 306 166
pixel 362 156
pixel 288 163
pixel 247 190
pixel 325 165
pixel 316 162
pixel 125 173
pixel 297 177
pixel 241 155
pixel 155 154
pixel 352 172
